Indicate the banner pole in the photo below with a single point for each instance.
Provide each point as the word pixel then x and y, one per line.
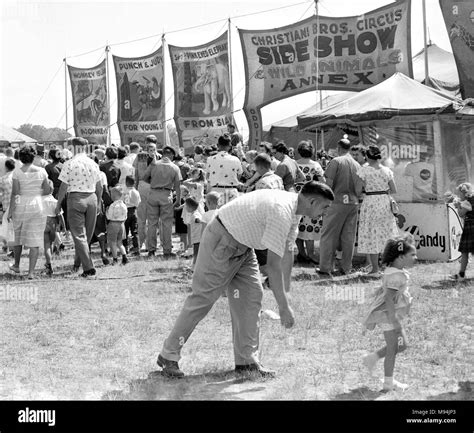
pixel 229 40
pixel 425 44
pixel 163 96
pixel 317 77
pixel 65 88
pixel 107 49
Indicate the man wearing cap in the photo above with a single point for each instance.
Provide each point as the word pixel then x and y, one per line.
pixel 163 176
pixel 80 177
pixel 264 219
pixel 141 163
pixel 224 170
pixel 340 221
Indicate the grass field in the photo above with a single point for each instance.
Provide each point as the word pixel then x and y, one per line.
pixel 98 339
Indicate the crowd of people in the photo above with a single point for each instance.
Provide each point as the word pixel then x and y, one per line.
pixel 238 212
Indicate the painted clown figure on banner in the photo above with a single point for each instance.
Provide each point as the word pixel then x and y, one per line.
pixel 89 97
pixel 323 53
pixel 203 95
pixel 140 96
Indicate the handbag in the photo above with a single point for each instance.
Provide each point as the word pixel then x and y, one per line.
pixel 394 207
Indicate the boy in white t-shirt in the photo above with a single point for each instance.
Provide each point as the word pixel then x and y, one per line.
pixel 212 200
pixel 131 198
pixel 52 222
pixel 116 214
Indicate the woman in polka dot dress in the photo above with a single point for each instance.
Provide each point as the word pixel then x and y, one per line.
pixel 309 229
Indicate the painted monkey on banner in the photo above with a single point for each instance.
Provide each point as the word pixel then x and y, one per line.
pixel 89 97
pixel 323 53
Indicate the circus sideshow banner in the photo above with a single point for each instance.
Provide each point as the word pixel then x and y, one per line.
pixel 323 53
pixel 459 19
pixel 203 97
pixel 140 97
pixel 89 98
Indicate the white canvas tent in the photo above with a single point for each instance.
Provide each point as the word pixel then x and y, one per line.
pixel 11 137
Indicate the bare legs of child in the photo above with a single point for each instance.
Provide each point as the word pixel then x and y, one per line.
pixel 49 239
pixel 462 269
pixel 118 247
pixel 395 341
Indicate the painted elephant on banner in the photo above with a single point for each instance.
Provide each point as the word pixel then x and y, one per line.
pixel 212 82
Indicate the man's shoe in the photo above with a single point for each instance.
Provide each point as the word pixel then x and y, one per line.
pixel 105 261
pixel 254 369
pixel 124 259
pixel 170 368
pixel 323 273
pixel 49 269
pixel 88 273
pixel 151 253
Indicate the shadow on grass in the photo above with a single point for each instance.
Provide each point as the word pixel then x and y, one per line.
pixel 448 284
pixel 207 386
pixel 463 393
pixel 336 280
pixel 361 393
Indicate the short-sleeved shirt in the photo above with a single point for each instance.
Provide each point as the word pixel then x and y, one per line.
pixel 263 219
pixel 423 175
pixel 49 205
pixel 80 173
pixel 208 216
pixel 289 171
pixel 126 169
pixel 6 185
pixel 162 174
pixel 269 180
pixel 131 197
pixel 224 169
pixel 342 170
pixel 117 211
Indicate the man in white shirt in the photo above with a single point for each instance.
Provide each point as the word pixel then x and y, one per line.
pixel 81 180
pixel 223 171
pixel 264 219
pixel 134 151
pixel 126 169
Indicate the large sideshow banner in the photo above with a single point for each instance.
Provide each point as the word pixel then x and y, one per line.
pixel 203 97
pixel 324 53
pixel 89 98
pixel 459 19
pixel 140 97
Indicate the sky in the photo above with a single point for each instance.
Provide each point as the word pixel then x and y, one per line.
pixel 35 37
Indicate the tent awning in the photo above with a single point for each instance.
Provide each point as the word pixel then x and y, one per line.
pixel 398 95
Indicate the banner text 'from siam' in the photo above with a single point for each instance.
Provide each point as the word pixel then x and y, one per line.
pixel 324 53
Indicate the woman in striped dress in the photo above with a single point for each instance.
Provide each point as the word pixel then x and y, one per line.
pixel 30 183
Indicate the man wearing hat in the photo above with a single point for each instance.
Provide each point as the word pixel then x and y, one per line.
pixel 223 171
pixel 163 176
pixel 340 221
pixel 39 160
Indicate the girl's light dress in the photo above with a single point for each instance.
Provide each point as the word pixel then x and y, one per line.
pixel 396 279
